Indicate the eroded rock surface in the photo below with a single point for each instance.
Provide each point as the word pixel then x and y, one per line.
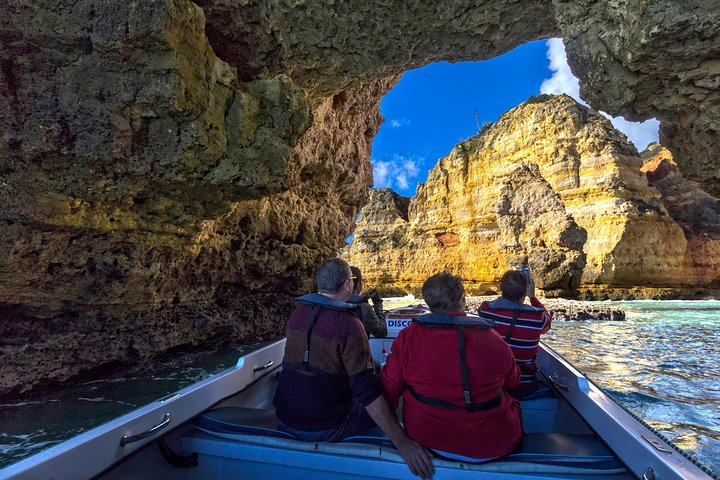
pixel 620 71
pixel 554 186
pixel 172 172
pixel 150 200
pixel 694 210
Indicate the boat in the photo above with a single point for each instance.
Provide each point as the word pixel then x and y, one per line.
pixel 223 427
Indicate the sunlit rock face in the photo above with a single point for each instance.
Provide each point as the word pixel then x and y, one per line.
pixel 697 213
pixel 171 172
pixel 551 185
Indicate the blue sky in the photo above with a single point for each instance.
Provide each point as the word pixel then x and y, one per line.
pixel 432 108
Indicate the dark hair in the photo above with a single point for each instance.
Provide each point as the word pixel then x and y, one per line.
pixel 444 292
pixel 358 279
pixel 513 285
pixel 332 274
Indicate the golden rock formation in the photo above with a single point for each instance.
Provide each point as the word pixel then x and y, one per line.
pixel 551 185
pixel 695 211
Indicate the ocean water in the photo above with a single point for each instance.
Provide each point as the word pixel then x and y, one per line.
pixel 661 363
pixel 34 424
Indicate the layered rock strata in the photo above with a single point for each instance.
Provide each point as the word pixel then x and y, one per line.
pixel 172 172
pixel 694 210
pixel 551 185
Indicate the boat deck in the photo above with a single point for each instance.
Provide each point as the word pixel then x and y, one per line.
pixel 235 441
pixel 223 427
pixel 242 441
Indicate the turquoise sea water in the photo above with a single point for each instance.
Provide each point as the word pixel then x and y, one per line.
pixel 661 363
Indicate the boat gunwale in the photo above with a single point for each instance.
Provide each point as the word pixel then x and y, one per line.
pixel 98 450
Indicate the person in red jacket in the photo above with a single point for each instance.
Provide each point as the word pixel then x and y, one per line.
pixel 453 371
pixel 519 324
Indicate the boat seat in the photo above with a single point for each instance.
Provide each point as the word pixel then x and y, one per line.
pixel 253 421
pixel 240 421
pixel 257 426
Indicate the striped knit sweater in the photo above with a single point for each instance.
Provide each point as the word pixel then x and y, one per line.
pixel 532 321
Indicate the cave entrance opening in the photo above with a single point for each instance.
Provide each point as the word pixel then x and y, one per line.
pixel 433 108
pixel 434 112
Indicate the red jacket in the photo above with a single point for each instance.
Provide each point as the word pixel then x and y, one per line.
pixel 428 360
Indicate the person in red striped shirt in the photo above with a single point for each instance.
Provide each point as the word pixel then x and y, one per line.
pixel 519 324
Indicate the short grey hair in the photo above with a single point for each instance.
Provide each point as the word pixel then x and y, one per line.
pixel 444 292
pixel 332 274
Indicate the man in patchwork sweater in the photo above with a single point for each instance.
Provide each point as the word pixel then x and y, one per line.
pixel 328 390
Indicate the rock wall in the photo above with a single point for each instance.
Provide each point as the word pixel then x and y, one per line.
pixel 619 75
pixel 150 200
pixel 694 210
pixel 554 186
pixel 172 172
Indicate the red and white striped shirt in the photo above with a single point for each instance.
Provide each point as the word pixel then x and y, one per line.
pixel 520 325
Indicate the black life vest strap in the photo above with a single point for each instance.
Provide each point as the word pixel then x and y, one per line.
pixel 467 395
pixel 290 367
pixel 463 368
pixel 439 403
pixel 311 325
pixel 512 325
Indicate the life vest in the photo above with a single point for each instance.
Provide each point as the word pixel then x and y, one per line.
pixel 459 322
pixel 357 299
pixel 502 303
pixel 318 301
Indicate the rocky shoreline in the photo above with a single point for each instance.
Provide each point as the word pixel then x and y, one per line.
pixel 562 309
pixel 566 310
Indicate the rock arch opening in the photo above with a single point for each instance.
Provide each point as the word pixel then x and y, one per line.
pixel 594 176
pixel 205 157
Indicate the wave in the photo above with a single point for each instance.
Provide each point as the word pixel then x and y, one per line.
pixel 32 402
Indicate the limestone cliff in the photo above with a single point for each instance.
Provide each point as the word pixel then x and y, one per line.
pixel 171 172
pixel 552 185
pixel 694 210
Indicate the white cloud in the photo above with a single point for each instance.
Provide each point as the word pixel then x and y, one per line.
pixel 563 81
pixel 381 173
pixel 399 122
pixel 400 172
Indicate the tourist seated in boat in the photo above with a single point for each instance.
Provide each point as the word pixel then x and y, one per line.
pixel 521 325
pixel 327 389
pixel 372 316
pixel 453 370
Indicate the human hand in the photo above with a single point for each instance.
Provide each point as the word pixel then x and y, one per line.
pixel 417 458
pixel 374 296
pixel 530 286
